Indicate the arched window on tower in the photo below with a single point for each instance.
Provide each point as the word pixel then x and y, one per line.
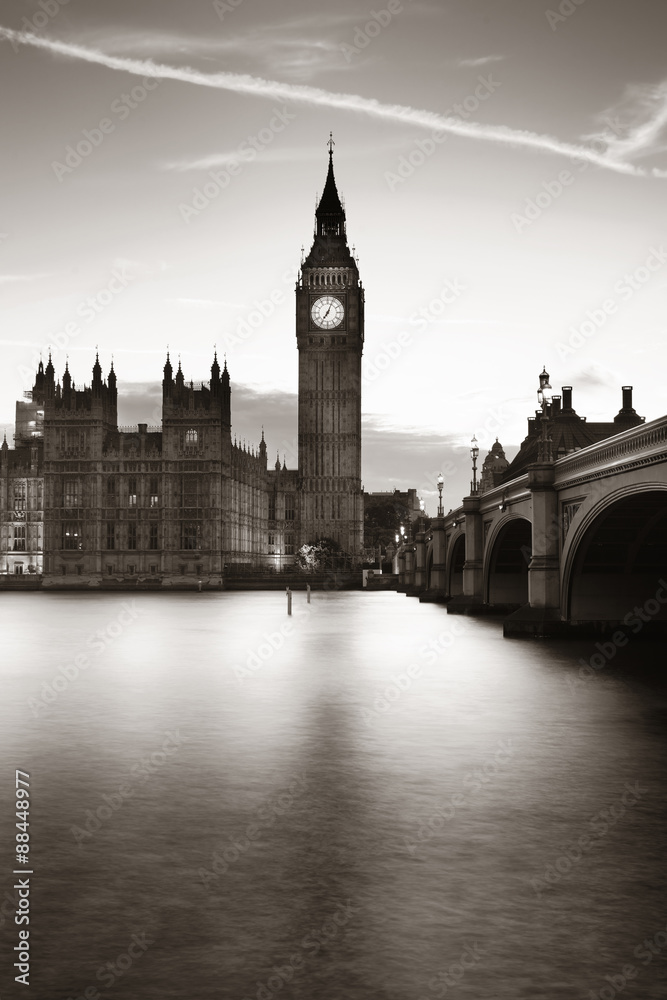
pixel 191 439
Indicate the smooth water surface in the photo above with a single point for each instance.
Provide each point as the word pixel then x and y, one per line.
pixel 369 800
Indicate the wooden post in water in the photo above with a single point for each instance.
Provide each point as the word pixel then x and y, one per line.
pixel 289 601
pixel 308 592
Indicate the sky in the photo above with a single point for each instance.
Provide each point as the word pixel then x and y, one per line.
pixel 503 165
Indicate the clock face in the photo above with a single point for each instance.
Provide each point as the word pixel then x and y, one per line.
pixel 327 312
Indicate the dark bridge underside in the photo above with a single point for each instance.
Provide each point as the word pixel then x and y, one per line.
pixel 508 571
pixel 620 563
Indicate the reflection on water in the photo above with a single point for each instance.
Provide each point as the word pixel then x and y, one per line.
pixel 368 800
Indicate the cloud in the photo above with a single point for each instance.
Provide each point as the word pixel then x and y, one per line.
pixel 213 160
pixel 635 126
pixel 205 303
pixel 317 97
pixel 482 61
pixel 281 47
pixel 12 279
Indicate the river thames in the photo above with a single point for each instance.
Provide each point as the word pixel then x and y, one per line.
pixel 370 800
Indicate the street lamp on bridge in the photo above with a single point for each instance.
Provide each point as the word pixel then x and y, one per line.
pixel 544 401
pixel 474 454
pixel 441 483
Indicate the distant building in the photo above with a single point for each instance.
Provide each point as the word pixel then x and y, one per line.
pixel 568 431
pixel 495 466
pixel 407 499
pixel 21 509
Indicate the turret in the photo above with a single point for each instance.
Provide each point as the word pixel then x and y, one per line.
pixel 226 397
pixel 111 382
pixel 215 376
pixel 97 376
pixel 38 387
pixel 49 379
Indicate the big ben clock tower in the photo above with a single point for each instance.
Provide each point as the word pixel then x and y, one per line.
pixel 330 339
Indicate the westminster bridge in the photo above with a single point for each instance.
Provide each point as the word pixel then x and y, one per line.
pixel 579 541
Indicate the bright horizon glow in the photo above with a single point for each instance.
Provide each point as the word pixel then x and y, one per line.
pixel 525 233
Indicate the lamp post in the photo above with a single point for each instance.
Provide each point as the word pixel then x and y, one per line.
pixel 441 483
pixel 474 454
pixel 544 453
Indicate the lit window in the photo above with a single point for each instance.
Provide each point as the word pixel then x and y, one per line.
pixel 19 538
pixel 20 494
pixel 132 492
pixel 72 537
pixel 71 494
pixel 190 535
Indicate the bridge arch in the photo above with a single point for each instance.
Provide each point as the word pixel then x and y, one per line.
pixel 616 555
pixel 508 553
pixel 455 561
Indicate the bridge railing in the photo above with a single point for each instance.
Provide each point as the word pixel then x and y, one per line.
pixel 646 440
pixel 515 489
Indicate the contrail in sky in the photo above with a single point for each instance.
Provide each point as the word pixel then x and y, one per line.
pixel 315 96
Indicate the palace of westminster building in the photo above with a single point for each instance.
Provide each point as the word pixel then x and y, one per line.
pixel 82 501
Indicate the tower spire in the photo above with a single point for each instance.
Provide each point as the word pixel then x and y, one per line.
pixel 330 214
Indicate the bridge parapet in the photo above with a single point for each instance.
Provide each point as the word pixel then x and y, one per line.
pixel 645 444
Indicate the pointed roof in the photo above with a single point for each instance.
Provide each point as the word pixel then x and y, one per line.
pixel 330 203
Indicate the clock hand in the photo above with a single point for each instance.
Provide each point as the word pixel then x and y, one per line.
pixel 327 313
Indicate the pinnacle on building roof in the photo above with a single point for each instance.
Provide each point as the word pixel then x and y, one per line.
pixel 330 203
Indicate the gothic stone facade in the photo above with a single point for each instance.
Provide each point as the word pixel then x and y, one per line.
pixel 83 501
